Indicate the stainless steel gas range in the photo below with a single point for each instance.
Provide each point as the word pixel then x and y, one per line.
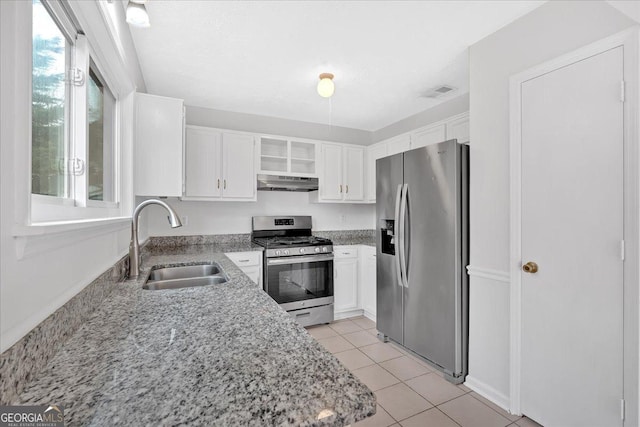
pixel 298 267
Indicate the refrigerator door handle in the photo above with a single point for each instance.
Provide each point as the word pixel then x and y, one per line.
pixel 403 216
pixel 396 232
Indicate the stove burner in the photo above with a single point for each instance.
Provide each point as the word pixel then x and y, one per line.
pixel 291 240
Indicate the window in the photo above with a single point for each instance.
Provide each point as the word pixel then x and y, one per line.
pixel 74 138
pixel 50 106
pixel 101 106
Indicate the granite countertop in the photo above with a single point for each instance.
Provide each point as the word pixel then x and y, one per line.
pixel 215 355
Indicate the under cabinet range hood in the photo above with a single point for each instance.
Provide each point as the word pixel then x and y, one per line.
pixel 286 183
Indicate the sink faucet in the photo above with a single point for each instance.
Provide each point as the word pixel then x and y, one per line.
pixel 134 246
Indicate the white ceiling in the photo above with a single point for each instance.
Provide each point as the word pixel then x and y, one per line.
pixel 264 57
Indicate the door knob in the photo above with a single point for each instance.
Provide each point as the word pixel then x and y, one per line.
pixel 530 267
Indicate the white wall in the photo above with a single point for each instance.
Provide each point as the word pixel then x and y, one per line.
pixel 553 29
pixel 53 267
pixel 209 117
pixel 235 217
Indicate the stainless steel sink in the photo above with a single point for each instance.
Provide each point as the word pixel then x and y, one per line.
pixel 189 282
pixel 185 277
pixel 185 272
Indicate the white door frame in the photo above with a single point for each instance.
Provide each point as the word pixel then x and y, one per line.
pixel 629 39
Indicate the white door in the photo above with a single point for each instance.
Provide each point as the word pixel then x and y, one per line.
pixel 429 136
pixel 353 173
pixel 239 175
pixel 331 187
pixel 203 177
pixel 572 228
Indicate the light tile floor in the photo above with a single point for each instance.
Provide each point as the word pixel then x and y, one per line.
pixel 410 393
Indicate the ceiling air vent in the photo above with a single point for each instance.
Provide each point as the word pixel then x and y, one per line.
pixel 439 91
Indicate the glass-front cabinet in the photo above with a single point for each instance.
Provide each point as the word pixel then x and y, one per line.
pixel 292 157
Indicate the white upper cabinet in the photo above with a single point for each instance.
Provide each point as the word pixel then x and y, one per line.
pixel 238 172
pixel 219 165
pixel 374 152
pixel 398 144
pixel 459 129
pixel 353 172
pixel 330 182
pixel 203 150
pixel 342 174
pixel 428 136
pixel 286 156
pixel 159 133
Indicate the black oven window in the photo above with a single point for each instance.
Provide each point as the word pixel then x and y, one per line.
pixel 298 282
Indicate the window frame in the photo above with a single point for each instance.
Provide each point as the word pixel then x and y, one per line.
pixel 77 205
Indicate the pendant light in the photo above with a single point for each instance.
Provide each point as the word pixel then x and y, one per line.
pixel 137 14
pixel 326 86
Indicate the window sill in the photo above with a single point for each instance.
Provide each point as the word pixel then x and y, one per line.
pixel 46 236
pixel 54 227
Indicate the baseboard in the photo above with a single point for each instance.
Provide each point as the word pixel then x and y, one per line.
pixel 369 315
pixel 488 392
pixel 347 313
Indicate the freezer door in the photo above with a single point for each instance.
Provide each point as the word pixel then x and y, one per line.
pixel 389 290
pixel 433 292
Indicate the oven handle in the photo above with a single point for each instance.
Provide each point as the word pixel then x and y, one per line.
pixel 300 259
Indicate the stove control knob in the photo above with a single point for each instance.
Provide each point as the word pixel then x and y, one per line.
pixel 317 249
pixel 301 250
pixel 286 252
pixel 324 249
pixel 277 253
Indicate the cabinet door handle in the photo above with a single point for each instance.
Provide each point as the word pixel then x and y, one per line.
pixel 340 188
pixel 243 260
pixel 347 188
pixel 218 182
pixel 225 184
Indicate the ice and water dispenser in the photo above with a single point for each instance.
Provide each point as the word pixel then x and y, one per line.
pixel 387 233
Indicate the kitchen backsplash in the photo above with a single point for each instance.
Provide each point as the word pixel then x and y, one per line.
pixel 175 241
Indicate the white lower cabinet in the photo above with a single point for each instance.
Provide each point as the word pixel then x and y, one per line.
pixel 354 281
pixel 368 281
pixel 250 263
pixel 345 281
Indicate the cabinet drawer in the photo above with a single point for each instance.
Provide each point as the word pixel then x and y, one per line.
pixel 242 259
pixel 345 252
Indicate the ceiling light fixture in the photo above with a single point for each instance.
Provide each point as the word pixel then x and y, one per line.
pixel 326 86
pixel 137 14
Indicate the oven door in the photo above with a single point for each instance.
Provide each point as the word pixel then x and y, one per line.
pixel 300 281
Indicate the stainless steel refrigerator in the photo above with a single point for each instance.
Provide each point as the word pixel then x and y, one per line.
pixel 422 251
